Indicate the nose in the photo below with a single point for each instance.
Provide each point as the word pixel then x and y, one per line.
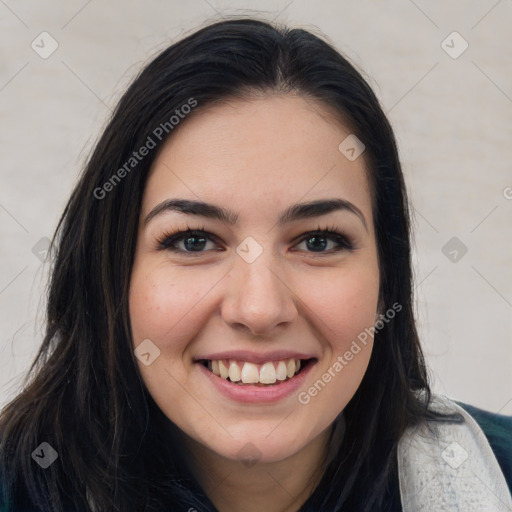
pixel 258 300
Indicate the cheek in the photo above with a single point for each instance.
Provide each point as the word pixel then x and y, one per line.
pixel 167 306
pixel 345 304
pixel 164 304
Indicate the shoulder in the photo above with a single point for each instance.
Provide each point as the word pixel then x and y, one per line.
pixel 4 505
pixel 465 456
pixel 498 431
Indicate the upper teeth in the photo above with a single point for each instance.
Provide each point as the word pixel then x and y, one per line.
pixel 250 373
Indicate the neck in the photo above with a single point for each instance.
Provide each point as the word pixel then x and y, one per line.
pixel 281 486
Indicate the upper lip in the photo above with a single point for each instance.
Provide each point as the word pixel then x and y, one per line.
pixel 254 357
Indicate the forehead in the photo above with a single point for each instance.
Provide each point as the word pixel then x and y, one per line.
pixel 256 153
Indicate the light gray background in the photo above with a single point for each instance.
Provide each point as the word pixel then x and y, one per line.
pixel 452 117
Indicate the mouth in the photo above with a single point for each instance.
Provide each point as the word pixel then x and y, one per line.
pixel 267 374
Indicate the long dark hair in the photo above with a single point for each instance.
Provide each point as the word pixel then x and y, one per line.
pixel 85 396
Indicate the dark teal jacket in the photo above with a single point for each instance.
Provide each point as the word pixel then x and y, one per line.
pixel 497 428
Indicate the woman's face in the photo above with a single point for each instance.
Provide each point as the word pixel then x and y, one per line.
pixel 256 290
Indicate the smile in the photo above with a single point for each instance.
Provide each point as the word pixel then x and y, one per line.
pixel 248 377
pixel 244 372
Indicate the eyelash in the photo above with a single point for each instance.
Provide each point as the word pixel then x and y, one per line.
pixel 167 240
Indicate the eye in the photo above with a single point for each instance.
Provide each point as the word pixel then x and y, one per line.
pixel 194 242
pixel 324 241
pixel 188 242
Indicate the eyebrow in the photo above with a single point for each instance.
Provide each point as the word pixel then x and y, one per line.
pixel 295 212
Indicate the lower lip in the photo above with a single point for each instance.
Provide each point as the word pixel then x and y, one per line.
pixel 257 394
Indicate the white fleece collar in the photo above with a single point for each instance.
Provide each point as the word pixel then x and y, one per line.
pixel 451 469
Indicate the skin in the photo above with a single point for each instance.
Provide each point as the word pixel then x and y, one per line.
pixel 256 156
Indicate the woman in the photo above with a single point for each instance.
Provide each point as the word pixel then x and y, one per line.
pixel 230 314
